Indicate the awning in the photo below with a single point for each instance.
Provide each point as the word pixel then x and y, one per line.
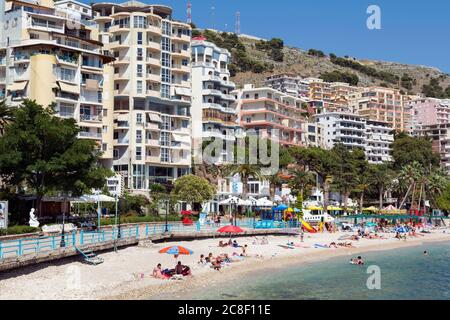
pixel 181 138
pixel 155 118
pixel 92 85
pixel 18 86
pixel 70 88
pixel 183 92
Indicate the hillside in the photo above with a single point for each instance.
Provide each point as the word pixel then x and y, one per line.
pixel 254 61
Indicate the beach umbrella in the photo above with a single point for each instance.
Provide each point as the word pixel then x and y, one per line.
pixel 186 213
pixel 177 250
pixel 230 230
pixel 281 207
pixel 402 230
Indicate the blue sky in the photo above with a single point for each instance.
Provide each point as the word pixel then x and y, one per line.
pixel 415 32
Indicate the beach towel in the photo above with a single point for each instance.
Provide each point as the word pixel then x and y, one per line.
pixel 318 246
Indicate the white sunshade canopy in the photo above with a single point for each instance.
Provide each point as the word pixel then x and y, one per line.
pixel 94 198
pixel 264 202
pixel 236 200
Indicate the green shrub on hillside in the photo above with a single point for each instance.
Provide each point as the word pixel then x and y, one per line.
pixel 338 76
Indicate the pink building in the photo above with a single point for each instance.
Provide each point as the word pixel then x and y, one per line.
pixel 430 111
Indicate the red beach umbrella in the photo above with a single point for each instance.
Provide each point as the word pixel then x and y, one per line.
pixel 176 250
pixel 186 213
pixel 230 229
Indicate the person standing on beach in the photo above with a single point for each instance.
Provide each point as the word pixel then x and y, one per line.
pixel 302 234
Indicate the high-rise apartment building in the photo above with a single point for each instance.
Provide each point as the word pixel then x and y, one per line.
pixel 152 91
pixel 355 131
pixel 213 106
pixel 289 83
pixel 383 104
pixel 51 54
pixel 265 110
pixel 429 111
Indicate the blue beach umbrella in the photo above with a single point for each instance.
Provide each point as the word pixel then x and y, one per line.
pixel 402 230
pixel 177 250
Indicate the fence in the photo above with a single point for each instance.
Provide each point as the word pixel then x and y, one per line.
pixel 17 248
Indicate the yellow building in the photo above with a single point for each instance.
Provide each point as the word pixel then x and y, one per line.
pixel 52 55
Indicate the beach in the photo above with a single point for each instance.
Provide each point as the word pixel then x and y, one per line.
pixel 127 273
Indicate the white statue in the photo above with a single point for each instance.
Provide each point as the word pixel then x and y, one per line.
pixel 33 220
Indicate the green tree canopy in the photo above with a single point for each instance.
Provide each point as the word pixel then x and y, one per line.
pixel 42 153
pixel 407 149
pixel 193 189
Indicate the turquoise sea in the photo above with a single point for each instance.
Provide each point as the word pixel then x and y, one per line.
pixel 405 274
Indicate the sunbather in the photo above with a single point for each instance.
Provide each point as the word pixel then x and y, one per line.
pixel 157 272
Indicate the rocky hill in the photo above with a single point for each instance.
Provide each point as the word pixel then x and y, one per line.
pixel 256 59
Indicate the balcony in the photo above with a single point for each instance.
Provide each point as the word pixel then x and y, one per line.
pixel 119 28
pixel 90 135
pixel 153 62
pixel 152 143
pixel 153 159
pixel 154 93
pixel 91 118
pixel 122 60
pixel 181 69
pixel 45 25
pixel 122 76
pixel 122 92
pixel 153 77
pixel 154 30
pixel 180 53
pixel 181 38
pixel 119 44
pixel 154 46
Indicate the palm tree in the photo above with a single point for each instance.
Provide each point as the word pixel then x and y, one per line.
pixel 436 184
pixel 6 116
pixel 275 181
pixel 301 180
pixel 245 172
pixel 363 184
pixel 381 177
pixel 410 174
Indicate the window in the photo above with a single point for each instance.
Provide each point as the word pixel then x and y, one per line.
pixel 165 60
pixel 139 54
pixel 165 155
pixel 66 74
pixel 138 136
pixel 139 87
pixel 139 38
pixel 104 147
pixel 165 91
pixel 140 22
pixel 66 110
pixel 165 75
pixel 138 153
pixel 139 70
pixel 165 44
pixel 139 118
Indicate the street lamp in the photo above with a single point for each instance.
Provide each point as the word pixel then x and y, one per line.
pixel 233 203
pixel 167 213
pixel 62 244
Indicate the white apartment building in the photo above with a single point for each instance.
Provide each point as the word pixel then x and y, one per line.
pixel 213 107
pixel 50 56
pixel 152 91
pixel 354 131
pixel 379 137
pixel 289 83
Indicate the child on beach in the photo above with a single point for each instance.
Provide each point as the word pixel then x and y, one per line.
pixel 157 272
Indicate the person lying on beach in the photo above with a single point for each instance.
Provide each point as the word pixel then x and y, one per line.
pixel 354 238
pixel 346 245
pixel 222 245
pixel 235 244
pixel 333 244
pixel 157 272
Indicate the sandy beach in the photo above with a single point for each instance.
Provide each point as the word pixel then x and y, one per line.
pixel 127 274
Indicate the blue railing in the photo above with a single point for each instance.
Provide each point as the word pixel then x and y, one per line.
pixel 20 247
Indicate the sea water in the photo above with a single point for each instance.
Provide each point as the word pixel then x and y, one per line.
pixel 404 274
